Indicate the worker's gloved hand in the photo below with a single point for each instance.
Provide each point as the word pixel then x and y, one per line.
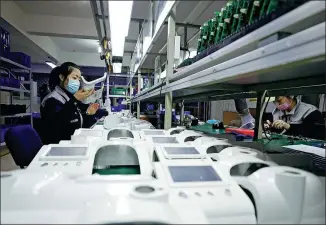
pixel 280 124
pixel 92 108
pixel 82 94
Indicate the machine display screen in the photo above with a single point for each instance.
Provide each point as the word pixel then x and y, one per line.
pixel 181 150
pixel 165 140
pixel 67 151
pixel 154 132
pixel 193 174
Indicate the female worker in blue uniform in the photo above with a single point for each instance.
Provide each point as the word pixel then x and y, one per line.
pixel 60 112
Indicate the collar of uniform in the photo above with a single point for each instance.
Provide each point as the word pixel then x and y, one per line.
pixel 67 95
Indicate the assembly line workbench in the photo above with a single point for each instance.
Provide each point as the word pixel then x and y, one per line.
pixel 275 148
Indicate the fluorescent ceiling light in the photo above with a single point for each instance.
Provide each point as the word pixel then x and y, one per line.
pixel 119 14
pixel 117 67
pixel 51 64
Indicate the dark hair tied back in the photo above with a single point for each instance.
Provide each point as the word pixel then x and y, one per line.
pixel 65 69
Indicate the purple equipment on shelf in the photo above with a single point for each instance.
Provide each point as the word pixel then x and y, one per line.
pixel 120 100
pixel 150 107
pixel 123 106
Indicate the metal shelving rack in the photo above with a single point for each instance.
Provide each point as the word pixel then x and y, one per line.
pixel 242 69
pixel 11 65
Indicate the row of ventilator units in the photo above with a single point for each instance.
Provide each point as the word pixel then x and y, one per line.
pixel 124 171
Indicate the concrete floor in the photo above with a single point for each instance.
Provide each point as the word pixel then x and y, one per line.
pixel 7 162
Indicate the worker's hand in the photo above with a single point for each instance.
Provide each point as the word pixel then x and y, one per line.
pixel 92 108
pixel 280 124
pixel 268 125
pixel 83 94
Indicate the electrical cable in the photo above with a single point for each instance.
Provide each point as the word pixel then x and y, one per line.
pixel 262 118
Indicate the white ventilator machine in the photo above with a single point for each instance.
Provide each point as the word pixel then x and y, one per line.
pixel 134 175
pixel 90 85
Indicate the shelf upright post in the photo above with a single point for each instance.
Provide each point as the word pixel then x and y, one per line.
pixel 182 112
pixel 169 70
pixel 258 127
pixel 31 94
pixel 198 109
pixel 157 72
pixel 130 93
pixel 21 93
pixel 138 91
pixel 107 86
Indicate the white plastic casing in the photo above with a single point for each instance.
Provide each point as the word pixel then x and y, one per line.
pixel 231 185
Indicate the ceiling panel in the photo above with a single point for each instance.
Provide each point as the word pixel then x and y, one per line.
pixel 76 44
pixel 161 41
pixel 129 46
pixel 126 60
pixel 209 12
pixel 140 9
pixel 184 8
pixel 80 9
pixel 149 63
pixel 133 32
pixel 20 43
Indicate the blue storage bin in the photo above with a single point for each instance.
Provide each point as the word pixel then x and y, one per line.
pixel 115 109
pixel 10 82
pixel 2 81
pixel 122 107
pixel 6 81
pixel 20 58
pixel 5 41
pixel 3 131
pixel 14 83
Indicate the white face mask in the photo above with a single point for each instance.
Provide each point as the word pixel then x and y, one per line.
pixel 73 86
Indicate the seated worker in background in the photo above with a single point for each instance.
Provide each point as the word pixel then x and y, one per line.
pixel 247 121
pixel 60 112
pixel 293 117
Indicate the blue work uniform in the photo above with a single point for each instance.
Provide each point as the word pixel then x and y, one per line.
pixel 61 116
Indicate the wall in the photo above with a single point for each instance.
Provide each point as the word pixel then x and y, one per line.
pixel 82 59
pixel 218 107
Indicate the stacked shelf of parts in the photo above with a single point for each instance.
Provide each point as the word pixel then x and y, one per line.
pixel 238 18
pixel 252 56
pixel 118 92
pixel 14 66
